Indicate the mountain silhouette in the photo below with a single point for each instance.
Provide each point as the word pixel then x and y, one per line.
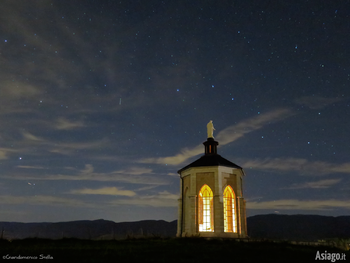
pixel 272 226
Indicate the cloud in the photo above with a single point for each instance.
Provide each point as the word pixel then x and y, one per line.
pixel 342 168
pixel 294 204
pixel 103 191
pixel 30 167
pixel 16 90
pixel 88 169
pixel 296 164
pixel 162 199
pixel 228 135
pixel 316 102
pixel 132 175
pixel 5 151
pixel 41 200
pixel 58 147
pixel 64 124
pixel 72 148
pixel 237 131
pixel 135 171
pixel 30 137
pixel 145 188
pixel 322 184
pixel 177 159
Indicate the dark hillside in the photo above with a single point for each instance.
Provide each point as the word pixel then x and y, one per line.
pixel 189 250
pixel 298 227
pixel 97 229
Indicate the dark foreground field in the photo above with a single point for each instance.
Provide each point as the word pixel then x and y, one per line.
pixel 158 250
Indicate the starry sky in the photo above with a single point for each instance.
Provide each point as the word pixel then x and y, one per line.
pixel 102 102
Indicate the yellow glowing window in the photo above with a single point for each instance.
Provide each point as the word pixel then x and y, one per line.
pixel 205 209
pixel 229 210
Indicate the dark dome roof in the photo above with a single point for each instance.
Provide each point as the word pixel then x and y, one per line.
pixel 211 160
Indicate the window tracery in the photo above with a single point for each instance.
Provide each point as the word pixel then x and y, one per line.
pixel 205 209
pixel 230 224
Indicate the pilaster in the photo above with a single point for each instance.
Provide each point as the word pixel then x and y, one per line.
pixel 179 216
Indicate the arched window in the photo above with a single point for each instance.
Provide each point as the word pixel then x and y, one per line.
pixel 229 210
pixel 205 209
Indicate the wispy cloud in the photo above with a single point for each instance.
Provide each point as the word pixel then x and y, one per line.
pixel 322 184
pixel 178 158
pixel 88 169
pixel 5 152
pixel 316 102
pixel 303 166
pixel 228 135
pixel 52 146
pixel 41 200
pixel 30 137
pixel 30 167
pixel 162 199
pixel 103 191
pixel 294 204
pixel 237 131
pixel 72 148
pixel 134 171
pixel 132 175
pixel 64 124
pixel 16 90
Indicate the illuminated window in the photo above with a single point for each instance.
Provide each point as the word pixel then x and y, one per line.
pixel 229 210
pixel 205 209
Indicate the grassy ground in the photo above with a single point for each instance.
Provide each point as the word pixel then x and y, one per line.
pixel 159 250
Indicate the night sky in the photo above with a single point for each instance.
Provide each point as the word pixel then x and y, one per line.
pixel 102 102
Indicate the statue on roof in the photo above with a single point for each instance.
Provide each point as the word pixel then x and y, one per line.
pixel 210 129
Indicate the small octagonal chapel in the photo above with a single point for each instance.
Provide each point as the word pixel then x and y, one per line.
pixel 211 202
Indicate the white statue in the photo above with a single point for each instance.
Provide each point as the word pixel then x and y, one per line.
pixel 210 129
